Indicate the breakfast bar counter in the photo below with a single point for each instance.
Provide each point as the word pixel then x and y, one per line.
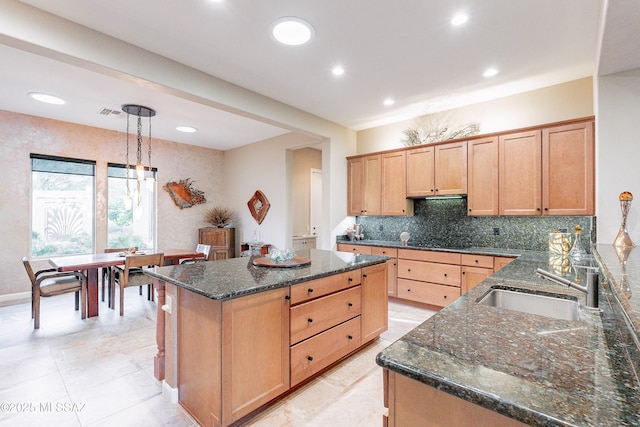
pixel 517 368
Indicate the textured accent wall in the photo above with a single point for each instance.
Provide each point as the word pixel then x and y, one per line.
pixel 444 223
pixel 21 135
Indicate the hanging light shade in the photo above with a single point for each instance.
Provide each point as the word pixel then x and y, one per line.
pixel 139 111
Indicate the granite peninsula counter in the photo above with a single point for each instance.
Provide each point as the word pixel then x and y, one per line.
pixel 234 336
pixel 530 369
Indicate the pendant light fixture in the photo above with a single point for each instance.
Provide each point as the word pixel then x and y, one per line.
pixel 139 111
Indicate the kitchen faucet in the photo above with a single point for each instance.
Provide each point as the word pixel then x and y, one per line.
pixel 592 284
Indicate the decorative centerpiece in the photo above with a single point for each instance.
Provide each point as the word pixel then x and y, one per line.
pixel 578 253
pixel 623 239
pixel 219 216
pixel 281 258
pixel 404 238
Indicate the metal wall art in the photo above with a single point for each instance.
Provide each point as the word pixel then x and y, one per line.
pixel 258 206
pixel 183 194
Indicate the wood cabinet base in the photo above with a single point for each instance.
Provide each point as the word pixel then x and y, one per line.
pixel 412 403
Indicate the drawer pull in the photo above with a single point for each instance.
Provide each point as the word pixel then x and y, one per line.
pixel 408 270
pixel 287 297
pixel 445 274
pixel 476 261
pixel 310 320
pixel 445 297
pixel 309 358
pixel 350 337
pixel 364 275
pixel 351 279
pixel 350 304
pixel 309 290
pixel 408 290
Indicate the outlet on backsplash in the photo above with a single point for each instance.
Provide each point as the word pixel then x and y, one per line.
pixel 381 228
pixel 496 231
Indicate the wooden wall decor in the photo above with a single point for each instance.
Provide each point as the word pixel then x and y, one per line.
pixel 183 194
pixel 258 206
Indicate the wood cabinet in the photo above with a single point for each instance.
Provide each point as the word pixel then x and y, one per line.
pixel 437 170
pixel 221 240
pixel 548 171
pixel 520 173
pixel 356 249
pixel 333 316
pixel 499 262
pixel 374 319
pixel 412 403
pixel 392 267
pixel 364 176
pixel 475 268
pixel 429 277
pixel 394 185
pixel 482 198
pixel 220 346
pixel 568 169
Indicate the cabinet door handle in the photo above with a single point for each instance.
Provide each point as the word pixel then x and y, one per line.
pixel 350 304
pixel 538 209
pixel 310 320
pixel 445 297
pixel 445 274
pixel 408 270
pixel 546 209
pixel 310 290
pixel 364 276
pixel 350 337
pixel 310 358
pixel 470 209
pixel 408 290
pixel 287 297
pixel 464 272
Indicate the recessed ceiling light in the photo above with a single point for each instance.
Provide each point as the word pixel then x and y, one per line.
pixel 490 72
pixel 389 102
pixel 337 70
pixel 186 129
pixel 292 31
pixel 49 99
pixel 459 19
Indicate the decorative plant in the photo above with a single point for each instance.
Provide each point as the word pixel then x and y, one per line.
pixel 220 216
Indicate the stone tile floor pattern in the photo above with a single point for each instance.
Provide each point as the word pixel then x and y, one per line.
pixel 99 372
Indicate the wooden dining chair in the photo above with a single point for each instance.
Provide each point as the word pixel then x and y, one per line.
pixel 106 274
pixel 131 274
pixel 47 282
pixel 203 249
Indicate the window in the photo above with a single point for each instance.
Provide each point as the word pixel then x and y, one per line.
pixel 129 223
pixel 62 206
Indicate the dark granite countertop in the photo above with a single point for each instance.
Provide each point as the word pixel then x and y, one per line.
pixel 468 250
pixel 535 369
pixel 238 276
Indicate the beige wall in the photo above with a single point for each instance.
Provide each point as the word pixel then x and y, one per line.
pixel 304 160
pixel 617 152
pixel 21 135
pixel 551 104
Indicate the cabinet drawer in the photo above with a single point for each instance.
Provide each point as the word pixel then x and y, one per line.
pixel 431 256
pixel 390 252
pixel 444 274
pixel 316 288
pixel 356 249
pixel 484 261
pixel 323 313
pixel 311 356
pixel 428 293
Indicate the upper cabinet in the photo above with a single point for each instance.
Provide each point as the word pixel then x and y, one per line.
pixel 483 177
pixel 376 185
pixel 437 170
pixel 364 185
pixel 568 170
pixel 549 171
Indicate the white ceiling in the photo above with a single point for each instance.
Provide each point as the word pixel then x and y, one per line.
pixel 406 50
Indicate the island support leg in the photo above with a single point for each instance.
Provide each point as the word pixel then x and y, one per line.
pixel 158 362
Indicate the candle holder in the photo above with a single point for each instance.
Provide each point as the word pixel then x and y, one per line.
pixel 623 239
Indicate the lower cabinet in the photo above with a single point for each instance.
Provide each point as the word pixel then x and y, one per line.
pixel 392 266
pixel 412 403
pixel 237 355
pixel 475 268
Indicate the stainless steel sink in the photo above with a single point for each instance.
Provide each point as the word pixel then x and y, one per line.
pixel 542 305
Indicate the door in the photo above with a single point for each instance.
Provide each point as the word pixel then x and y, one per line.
pixel 315 202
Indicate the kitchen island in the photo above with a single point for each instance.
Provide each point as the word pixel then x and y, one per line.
pixel 476 365
pixel 234 336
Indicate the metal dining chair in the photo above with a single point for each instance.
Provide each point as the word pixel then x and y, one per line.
pixel 47 282
pixel 131 274
pixel 203 249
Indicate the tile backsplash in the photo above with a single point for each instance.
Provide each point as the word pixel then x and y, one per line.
pixel 444 223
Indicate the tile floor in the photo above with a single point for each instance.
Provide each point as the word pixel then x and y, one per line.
pixel 99 372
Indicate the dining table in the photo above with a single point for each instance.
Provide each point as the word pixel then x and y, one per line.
pixel 91 263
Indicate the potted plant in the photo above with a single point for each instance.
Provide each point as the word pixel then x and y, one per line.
pixel 219 216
